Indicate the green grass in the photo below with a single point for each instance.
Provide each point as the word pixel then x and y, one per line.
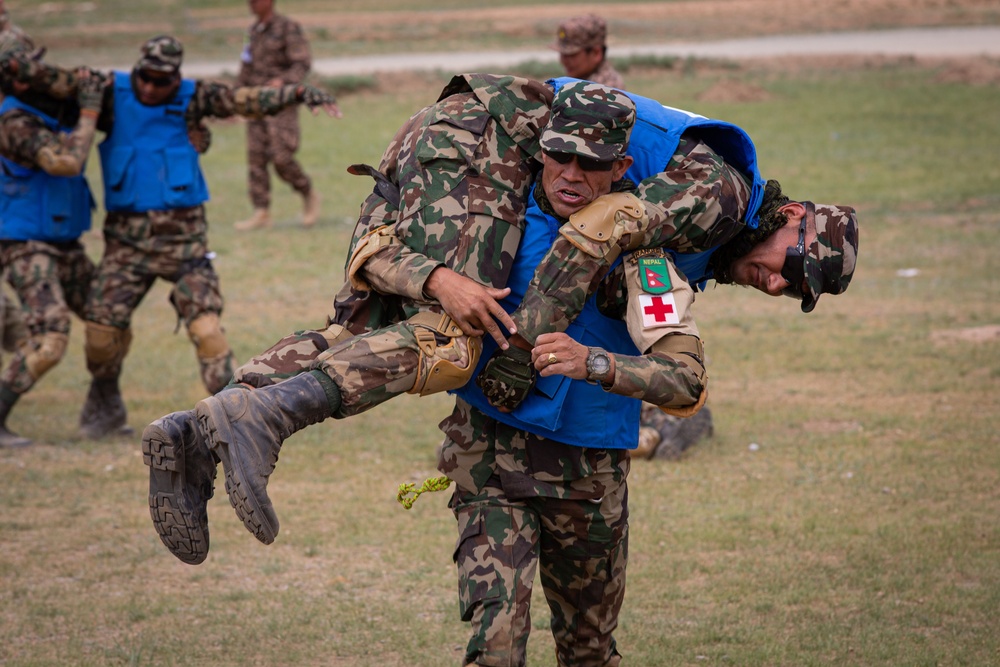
pixel 862 531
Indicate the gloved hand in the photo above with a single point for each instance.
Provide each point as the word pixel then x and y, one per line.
pixel 313 97
pixel 90 88
pixel 508 378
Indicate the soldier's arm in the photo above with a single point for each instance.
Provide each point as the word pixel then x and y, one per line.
pixel 219 100
pixel 696 201
pixel 297 52
pixel 26 140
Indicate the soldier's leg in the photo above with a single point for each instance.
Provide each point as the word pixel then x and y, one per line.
pixel 497 555
pixel 284 142
pixel 34 273
pixel 119 285
pixel 258 179
pixel 426 354
pixel 584 552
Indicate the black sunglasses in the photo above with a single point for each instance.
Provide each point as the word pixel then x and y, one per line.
pixel 586 163
pixel 794 268
pixel 157 81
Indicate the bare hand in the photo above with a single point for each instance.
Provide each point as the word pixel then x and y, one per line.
pixel 331 110
pixel 558 354
pixel 474 307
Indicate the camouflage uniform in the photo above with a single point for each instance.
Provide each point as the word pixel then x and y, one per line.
pixel 273 50
pixel 170 244
pixel 11 34
pixel 586 32
pixel 51 278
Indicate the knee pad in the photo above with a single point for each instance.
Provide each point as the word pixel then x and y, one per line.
pixel 106 344
pixel 690 351
pixel 443 366
pixel 208 338
pixel 49 350
pixel 598 228
pixel 367 246
pixel 334 333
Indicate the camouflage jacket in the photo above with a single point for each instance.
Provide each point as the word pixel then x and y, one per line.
pixel 606 75
pixel 276 49
pixel 24 135
pixel 11 35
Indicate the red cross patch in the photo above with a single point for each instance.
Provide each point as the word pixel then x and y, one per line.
pixel 658 310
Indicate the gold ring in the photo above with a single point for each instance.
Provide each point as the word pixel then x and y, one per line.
pixel 551 359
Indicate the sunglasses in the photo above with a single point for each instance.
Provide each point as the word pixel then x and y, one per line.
pixel 156 81
pixel 586 163
pixel 794 268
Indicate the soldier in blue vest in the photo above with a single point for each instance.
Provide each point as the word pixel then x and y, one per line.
pixel 45 207
pixel 154 192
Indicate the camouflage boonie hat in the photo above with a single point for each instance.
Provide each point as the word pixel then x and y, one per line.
pixel 579 33
pixel 161 54
pixel 589 120
pixel 832 256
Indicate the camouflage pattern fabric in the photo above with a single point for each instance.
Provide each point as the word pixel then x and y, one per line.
pixel 51 281
pixel 697 202
pixel 12 36
pixel 161 54
pixel 274 51
pixel 274 141
pixel 590 121
pixel 139 248
pixel 607 75
pixel 830 260
pixel 13 331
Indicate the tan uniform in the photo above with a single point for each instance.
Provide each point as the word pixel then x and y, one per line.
pixel 276 49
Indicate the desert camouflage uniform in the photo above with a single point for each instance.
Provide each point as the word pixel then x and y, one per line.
pixel 51 280
pixel 273 50
pixel 607 75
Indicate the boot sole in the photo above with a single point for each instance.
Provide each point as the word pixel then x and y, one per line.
pixel 180 529
pixel 214 423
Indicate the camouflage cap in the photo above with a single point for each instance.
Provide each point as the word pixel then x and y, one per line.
pixel 589 120
pixel 579 33
pixel 832 256
pixel 161 54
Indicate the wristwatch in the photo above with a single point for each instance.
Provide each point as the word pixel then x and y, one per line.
pixel 598 365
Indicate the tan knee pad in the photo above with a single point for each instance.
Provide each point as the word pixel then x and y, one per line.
pixel 105 344
pixel 49 350
pixel 447 366
pixel 208 338
pixel 334 333
pixel 597 229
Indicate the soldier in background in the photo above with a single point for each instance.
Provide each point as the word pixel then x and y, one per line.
pixel 154 192
pixel 45 209
pixel 581 43
pixel 276 53
pixel 11 34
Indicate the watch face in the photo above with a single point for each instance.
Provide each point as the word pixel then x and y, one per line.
pixel 598 364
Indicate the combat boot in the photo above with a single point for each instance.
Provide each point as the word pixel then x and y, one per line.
pixel 261 219
pixel 245 429
pixel 103 412
pixel 182 473
pixel 310 208
pixel 8 439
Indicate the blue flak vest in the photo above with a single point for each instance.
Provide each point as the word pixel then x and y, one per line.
pixel 654 139
pixel 570 411
pixel 147 161
pixel 36 206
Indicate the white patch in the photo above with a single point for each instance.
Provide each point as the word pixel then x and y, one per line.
pixel 658 310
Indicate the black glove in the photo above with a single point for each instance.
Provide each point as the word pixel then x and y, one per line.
pixel 313 97
pixel 508 378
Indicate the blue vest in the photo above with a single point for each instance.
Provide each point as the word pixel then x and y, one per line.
pixel 562 409
pixel 147 160
pixel 654 139
pixel 36 206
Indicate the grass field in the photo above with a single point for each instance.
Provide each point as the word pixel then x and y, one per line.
pixel 862 529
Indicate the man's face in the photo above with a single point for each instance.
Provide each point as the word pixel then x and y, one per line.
pixel 569 187
pixel 761 267
pixel 581 64
pixel 261 8
pixel 154 88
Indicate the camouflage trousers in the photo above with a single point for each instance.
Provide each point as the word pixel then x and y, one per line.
pixel 581 548
pixel 370 368
pixel 274 141
pixel 51 281
pixel 139 248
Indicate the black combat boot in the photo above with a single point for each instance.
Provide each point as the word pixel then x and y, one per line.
pixel 245 429
pixel 182 473
pixel 103 412
pixel 9 440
